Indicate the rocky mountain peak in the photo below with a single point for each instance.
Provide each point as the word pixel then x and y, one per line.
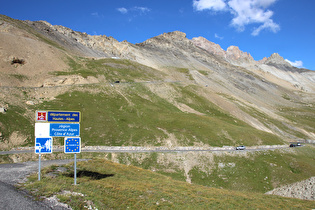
pixel 174 35
pixel 233 53
pixel 209 46
pixel 166 40
pixel 275 58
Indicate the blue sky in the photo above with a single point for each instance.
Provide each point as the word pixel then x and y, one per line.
pixel 259 27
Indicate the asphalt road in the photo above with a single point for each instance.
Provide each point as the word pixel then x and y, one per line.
pixel 11 198
pixel 157 149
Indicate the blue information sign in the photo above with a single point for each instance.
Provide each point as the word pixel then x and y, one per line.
pixel 64 129
pixel 43 145
pixel 63 116
pixel 72 145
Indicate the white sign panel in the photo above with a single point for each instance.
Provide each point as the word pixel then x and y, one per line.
pixel 42 129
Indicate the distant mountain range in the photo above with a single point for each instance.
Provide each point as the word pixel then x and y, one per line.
pixel 256 92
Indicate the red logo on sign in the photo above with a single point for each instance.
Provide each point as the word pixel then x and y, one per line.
pixel 41 116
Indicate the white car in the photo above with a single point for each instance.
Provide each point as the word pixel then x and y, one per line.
pixel 240 147
pixel 37 147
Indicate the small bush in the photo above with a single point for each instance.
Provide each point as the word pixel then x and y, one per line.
pixel 17 61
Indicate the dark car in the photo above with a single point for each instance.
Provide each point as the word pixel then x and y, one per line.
pixel 295 144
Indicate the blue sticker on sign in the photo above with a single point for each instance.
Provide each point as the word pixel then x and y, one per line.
pixel 73 145
pixel 43 145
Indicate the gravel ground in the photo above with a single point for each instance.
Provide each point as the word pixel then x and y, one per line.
pixel 13 174
pixel 302 190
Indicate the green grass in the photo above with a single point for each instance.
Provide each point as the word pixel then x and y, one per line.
pixel 205 73
pixel 133 115
pixel 286 97
pixel 108 185
pixel 186 72
pixel 14 120
pixel 259 171
pixel 303 115
pixel 262 171
pixel 113 69
pixel 20 77
pixel 305 120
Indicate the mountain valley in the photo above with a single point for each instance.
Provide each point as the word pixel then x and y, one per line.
pixel 168 91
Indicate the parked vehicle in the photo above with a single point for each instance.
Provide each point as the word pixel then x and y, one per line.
pixel 240 147
pixel 295 144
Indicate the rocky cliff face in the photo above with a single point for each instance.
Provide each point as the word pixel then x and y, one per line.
pixel 209 46
pixel 275 58
pixel 234 55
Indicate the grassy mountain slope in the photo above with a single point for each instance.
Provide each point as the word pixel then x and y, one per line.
pixel 258 171
pixel 131 113
pixel 103 185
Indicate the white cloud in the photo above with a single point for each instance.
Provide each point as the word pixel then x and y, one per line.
pixel 122 10
pixel 218 37
pixel 141 9
pixel 94 14
pixel 269 24
pixel 298 64
pixel 97 15
pixel 245 12
pixel 215 5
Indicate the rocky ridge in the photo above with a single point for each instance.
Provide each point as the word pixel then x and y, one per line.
pixel 235 56
pixel 174 49
pixel 104 46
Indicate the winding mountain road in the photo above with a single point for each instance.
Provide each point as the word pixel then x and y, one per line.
pixel 135 149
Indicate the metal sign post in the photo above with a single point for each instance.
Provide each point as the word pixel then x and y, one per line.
pixel 39 167
pixel 75 168
pixel 73 145
pixel 42 145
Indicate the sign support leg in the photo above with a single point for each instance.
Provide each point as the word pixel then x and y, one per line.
pixel 75 168
pixel 39 156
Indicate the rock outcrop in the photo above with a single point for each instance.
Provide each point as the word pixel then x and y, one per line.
pixel 302 190
pixel 235 55
pixel 275 58
pixel 209 46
